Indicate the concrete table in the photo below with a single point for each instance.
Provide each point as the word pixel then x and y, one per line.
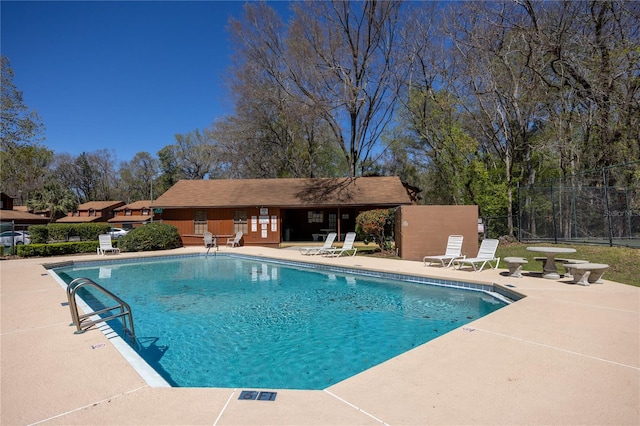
pixel 549 270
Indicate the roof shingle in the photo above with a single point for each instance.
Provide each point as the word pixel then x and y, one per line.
pixel 18 216
pixel 80 219
pixel 361 191
pixel 99 205
pixel 136 205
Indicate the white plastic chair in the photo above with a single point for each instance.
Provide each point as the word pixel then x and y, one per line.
pixel 209 241
pixel 236 240
pixel 105 245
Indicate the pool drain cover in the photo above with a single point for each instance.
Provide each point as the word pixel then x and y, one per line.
pixel 260 396
pixel 267 396
pixel 248 395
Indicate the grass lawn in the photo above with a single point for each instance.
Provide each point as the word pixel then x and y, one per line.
pixel 624 263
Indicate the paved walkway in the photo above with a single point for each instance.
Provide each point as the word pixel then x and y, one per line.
pixel 564 355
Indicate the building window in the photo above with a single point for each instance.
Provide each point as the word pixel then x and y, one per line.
pixel 200 225
pixel 315 217
pixel 145 212
pixel 333 220
pixel 76 214
pixel 240 221
pixel 127 212
pixel 92 212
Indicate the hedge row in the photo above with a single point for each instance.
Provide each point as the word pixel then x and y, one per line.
pixel 56 249
pixel 42 234
pixel 153 236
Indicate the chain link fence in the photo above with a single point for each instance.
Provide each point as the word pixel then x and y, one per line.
pixel 596 207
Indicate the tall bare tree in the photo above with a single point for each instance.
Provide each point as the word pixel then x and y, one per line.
pixel 335 58
pixel 592 58
pixel 91 176
pixel 272 134
pixel 502 92
pixel 431 115
pixel 196 155
pixel 137 178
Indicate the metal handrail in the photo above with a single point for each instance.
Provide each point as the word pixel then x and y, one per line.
pixel 79 320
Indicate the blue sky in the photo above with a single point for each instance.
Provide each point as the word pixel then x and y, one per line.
pixel 120 75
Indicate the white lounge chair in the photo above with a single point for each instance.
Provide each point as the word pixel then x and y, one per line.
pixel 453 252
pixel 328 244
pixel 235 241
pixel 105 245
pixel 486 255
pixel 347 246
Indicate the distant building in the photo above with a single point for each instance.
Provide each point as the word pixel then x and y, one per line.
pixel 93 211
pixel 132 215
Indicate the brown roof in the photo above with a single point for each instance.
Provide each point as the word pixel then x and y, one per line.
pixel 133 218
pixel 80 219
pixel 362 191
pixel 22 216
pixel 26 209
pixel 136 205
pixel 100 205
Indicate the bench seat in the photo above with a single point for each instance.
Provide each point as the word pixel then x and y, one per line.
pixel 563 262
pixel 572 262
pixel 515 265
pixel 586 273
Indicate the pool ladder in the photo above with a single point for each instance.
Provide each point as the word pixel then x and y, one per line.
pixel 82 322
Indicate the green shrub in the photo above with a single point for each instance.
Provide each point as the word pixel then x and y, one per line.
pixel 377 225
pixel 90 231
pixel 56 232
pixel 39 234
pixel 60 231
pixel 56 249
pixel 153 236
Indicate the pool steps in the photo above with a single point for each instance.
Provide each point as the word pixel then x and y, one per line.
pixel 80 321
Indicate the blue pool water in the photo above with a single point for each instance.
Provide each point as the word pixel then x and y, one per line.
pixel 223 321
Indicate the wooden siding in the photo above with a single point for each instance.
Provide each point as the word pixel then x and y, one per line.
pixel 282 224
pixel 135 218
pixel 6 201
pixel 220 222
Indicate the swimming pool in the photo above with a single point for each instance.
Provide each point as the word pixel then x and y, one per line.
pixel 237 321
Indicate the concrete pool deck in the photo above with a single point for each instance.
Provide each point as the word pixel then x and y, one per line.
pixel 564 355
